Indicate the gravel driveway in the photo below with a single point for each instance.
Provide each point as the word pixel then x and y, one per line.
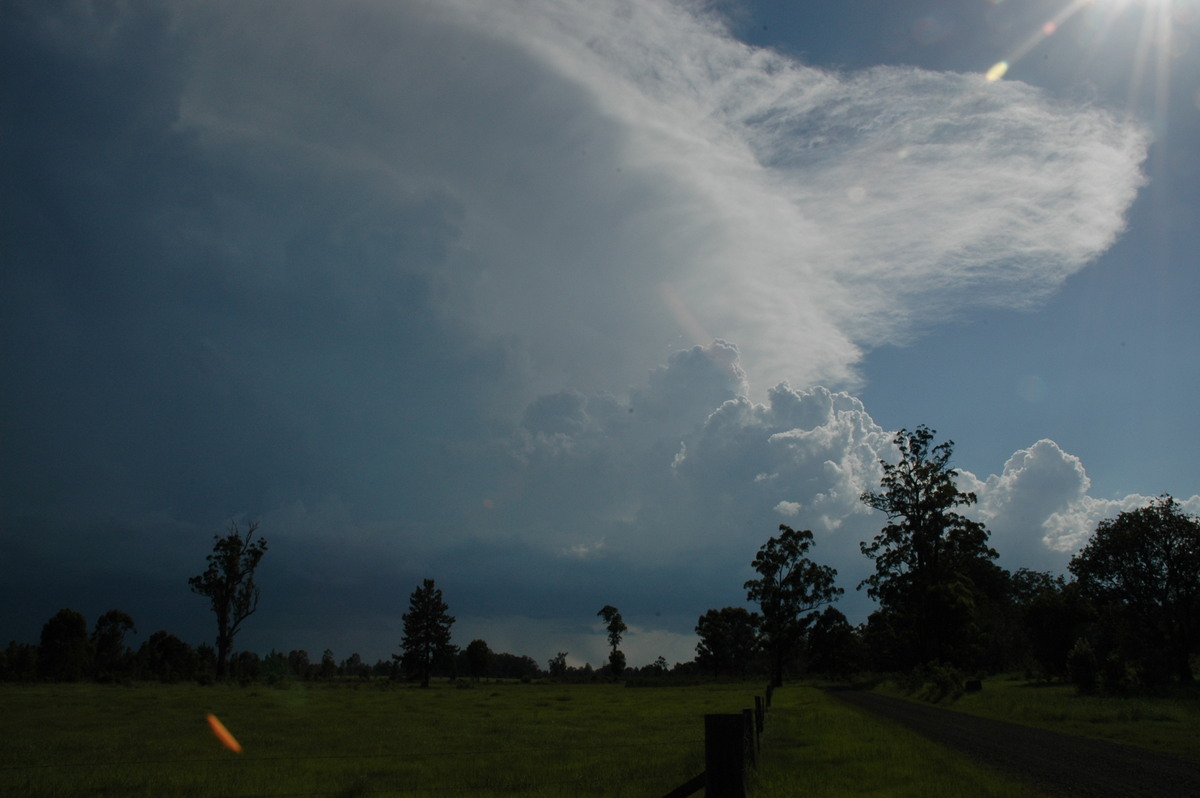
pixel 1058 764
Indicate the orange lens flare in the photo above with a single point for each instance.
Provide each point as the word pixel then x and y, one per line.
pixel 222 734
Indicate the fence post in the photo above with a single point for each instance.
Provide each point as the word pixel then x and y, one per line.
pixel 724 756
pixel 759 714
pixel 750 735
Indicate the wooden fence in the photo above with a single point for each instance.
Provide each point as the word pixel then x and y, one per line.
pixel 731 746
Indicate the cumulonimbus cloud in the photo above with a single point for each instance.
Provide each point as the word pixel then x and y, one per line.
pixel 594 151
pixel 336 242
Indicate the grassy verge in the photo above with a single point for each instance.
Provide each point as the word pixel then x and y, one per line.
pixel 1168 723
pixel 816 746
pixel 510 739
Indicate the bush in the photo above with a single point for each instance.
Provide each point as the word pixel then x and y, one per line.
pixel 945 681
pixel 934 682
pixel 1082 667
pixel 1115 676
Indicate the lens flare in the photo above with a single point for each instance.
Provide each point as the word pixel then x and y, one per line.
pixel 222 734
pixel 997 71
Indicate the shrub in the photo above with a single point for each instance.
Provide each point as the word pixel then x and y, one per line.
pixel 1115 676
pixel 1082 667
pixel 945 681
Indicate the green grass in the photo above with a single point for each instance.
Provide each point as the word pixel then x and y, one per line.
pixel 1168 723
pixel 537 740
pixel 818 747
pixel 492 739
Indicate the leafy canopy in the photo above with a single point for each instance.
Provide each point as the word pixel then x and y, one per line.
pixel 925 540
pixel 789 591
pixel 1147 561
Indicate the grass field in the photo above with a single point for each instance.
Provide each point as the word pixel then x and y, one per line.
pixel 507 739
pixel 489 740
pixel 818 747
pixel 1169 723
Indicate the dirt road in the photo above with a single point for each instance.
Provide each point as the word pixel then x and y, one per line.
pixel 1058 764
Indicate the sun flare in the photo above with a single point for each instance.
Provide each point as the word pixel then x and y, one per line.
pixel 1141 33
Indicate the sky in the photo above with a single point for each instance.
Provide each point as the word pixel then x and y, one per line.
pixel 568 303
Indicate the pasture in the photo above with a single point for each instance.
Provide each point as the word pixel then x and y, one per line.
pixel 356 739
pixel 386 739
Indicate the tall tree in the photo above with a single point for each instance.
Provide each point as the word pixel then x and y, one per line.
pixel 112 658
pixel 616 627
pixel 927 553
pixel 64 654
pixel 426 631
pixel 1147 562
pixel 789 591
pixel 728 640
pixel 228 584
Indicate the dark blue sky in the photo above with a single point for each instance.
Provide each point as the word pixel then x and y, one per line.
pixel 571 304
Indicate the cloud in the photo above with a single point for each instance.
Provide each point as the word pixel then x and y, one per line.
pixel 1068 530
pixel 1035 484
pixel 1038 508
pixel 596 152
pixel 381 274
pixel 813 214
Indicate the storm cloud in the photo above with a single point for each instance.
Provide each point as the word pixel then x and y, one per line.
pixel 510 294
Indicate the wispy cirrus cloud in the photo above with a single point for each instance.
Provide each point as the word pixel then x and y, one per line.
pixel 594 151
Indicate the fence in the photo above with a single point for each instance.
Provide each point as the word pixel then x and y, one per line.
pixel 731 745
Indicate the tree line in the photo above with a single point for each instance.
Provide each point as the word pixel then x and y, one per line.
pixel 1129 615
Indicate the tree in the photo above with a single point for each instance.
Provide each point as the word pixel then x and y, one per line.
pixel 1147 562
pixel 558 665
pixel 789 591
pixel 353 665
pixel 112 657
pixel 298 664
pixel 426 631
pixel 1053 615
pixel 64 654
pixel 728 640
pixel 616 627
pixel 328 668
pixel 478 655
pixel 19 662
pixel 228 584
pixel 167 658
pixel 925 556
pixel 834 649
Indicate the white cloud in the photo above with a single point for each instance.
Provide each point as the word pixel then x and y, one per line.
pixel 1068 530
pixel 789 509
pixel 1038 508
pixel 589 153
pixel 1035 484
